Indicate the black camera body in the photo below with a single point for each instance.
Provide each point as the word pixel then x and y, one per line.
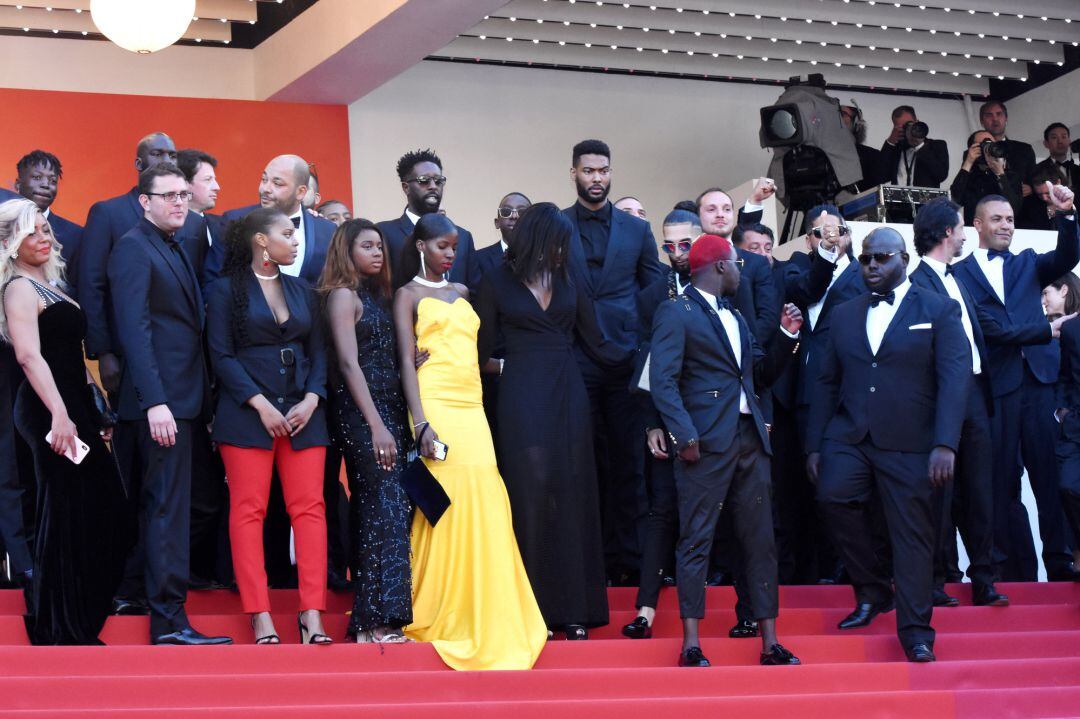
pixel 991 148
pixel 917 130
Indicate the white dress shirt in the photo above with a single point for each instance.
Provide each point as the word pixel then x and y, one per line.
pixel 414 218
pixel 878 318
pixel 906 171
pixel 993 269
pixel 731 328
pixel 294 269
pixel 953 289
pixel 842 261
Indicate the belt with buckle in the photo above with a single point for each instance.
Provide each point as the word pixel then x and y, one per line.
pixel 288 357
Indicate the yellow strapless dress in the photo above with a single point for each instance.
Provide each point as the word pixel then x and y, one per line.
pixel 471 597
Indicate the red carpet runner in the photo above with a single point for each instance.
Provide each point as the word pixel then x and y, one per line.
pixel 1020 661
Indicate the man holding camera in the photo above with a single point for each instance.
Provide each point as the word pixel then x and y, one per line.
pixel 985 172
pixel 909 157
pixel 1019 156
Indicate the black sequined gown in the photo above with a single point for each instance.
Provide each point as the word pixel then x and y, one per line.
pixel 379 508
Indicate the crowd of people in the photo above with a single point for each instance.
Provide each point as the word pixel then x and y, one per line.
pixel 525 424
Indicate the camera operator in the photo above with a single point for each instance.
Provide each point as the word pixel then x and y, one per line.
pixel 1019 156
pixel 985 172
pixel 1056 141
pixel 909 157
pixel 869 158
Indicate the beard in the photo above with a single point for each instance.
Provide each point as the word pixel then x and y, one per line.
pixel 583 193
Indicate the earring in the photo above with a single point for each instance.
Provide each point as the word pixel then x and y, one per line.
pixel 266 258
pixel 423 265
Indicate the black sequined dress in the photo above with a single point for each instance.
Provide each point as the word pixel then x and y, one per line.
pixel 379 508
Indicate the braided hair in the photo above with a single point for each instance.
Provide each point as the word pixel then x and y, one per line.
pixel 237 263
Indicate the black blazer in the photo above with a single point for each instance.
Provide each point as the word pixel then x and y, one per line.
pixel 909 397
pixel 208 255
pixel 968 188
pixel 931 163
pixel 394 234
pixel 108 221
pixel 756 296
pixel 318 231
pixel 258 368
pixel 694 378
pixel 784 389
pixel 158 315
pixel 631 263
pixel 69 235
pixel 1068 388
pixel 1069 170
pixel 1017 332
pixel 479 262
pixel 1032 215
pixel 1020 158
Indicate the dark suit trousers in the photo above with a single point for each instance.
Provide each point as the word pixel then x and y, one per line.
pixel 967 502
pixel 738 478
pixel 661 530
pixel 17 483
pixel 849 475
pixel 1023 431
pixel 1068 456
pixel 794 510
pixel 209 509
pixel 338 544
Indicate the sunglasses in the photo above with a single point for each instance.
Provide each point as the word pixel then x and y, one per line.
pixel 507 212
pixel 878 257
pixel 819 232
pixel 682 246
pixel 439 180
pixel 737 261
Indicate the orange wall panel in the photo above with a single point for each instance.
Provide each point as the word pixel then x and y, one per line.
pixel 94 135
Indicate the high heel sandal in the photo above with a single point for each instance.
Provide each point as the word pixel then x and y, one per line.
pixel 266 639
pixel 576 632
pixel 307 637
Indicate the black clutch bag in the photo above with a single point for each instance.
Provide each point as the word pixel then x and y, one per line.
pixel 424 490
pixel 104 416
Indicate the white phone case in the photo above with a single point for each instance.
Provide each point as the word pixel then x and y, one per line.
pixel 81 449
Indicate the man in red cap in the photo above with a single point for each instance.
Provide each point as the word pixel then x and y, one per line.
pixel 704 367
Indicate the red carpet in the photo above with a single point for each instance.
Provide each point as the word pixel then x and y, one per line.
pixel 1020 661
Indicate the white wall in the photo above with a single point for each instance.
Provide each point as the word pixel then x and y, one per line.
pixel 499 129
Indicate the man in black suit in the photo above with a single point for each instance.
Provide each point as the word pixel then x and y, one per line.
pixel 1037 211
pixel 482 261
pixel 982 174
pixel 164 389
pixel 1020 156
pixel 613 256
pixel 1057 142
pixel 968 502
pixel 39 175
pixel 897 352
pixel 1024 367
pixel 704 368
pixel 422 181
pixel 200 169
pixel 909 157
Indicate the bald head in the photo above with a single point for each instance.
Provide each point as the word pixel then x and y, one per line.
pixel 284 183
pixel 884 239
pixel 884 260
pixel 154 149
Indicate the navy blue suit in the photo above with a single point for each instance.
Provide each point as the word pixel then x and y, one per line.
pixel 208 250
pixel 318 231
pixel 1068 435
pixel 1024 368
pixel 394 234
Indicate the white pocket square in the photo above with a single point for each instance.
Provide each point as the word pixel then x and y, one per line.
pixel 923 326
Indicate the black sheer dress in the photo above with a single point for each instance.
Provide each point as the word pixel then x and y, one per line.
pixel 380 512
pixel 544 441
pixel 85 525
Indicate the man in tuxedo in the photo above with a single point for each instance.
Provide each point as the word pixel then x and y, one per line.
pixel 207 251
pixel 39 174
pixel 1037 211
pixel 1020 156
pixel 1024 368
pixel 968 502
pixel 910 158
pixel 613 256
pixel 1057 142
pixel 704 369
pixel 164 389
pixel 982 174
pixel 897 352
pixel 422 181
pixel 480 262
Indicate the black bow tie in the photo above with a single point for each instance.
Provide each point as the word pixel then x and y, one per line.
pixel 876 299
pixel 296 221
pixel 1003 254
pixel 949 270
pixel 722 303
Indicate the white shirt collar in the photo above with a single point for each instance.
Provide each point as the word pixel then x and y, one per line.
pixel 47 212
pixel 414 218
pixel 899 291
pixel 936 265
pixel 505 246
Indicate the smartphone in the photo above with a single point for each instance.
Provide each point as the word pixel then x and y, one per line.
pixel 81 449
pixel 440 450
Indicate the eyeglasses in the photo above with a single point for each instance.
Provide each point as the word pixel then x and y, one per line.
pixel 878 257
pixel 508 212
pixel 841 230
pixel 682 245
pixel 737 261
pixel 170 197
pixel 439 180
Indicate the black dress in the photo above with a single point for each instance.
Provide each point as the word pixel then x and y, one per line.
pixel 381 514
pixel 85 525
pixel 545 444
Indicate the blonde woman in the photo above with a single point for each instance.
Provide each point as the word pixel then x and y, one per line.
pixel 83 537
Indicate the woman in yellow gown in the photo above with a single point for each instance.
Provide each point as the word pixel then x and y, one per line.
pixel 471 596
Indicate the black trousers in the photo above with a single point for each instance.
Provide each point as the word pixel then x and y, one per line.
pixel 848 477
pixel 738 479
pixel 798 532
pixel 967 502
pixel 17 483
pixel 1023 431
pixel 1068 456
pixel 338 537
pixel 617 430
pixel 661 530
pixel 209 510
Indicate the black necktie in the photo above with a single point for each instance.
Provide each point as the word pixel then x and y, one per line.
pixel 296 221
pixel 1003 254
pixel 876 299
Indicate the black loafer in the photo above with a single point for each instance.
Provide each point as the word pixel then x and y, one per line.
pixel 693 657
pixel 1063 573
pixel 778 656
pixel 941 599
pixel 744 629
pixel 125 607
pixel 920 654
pixel 576 632
pixel 189 637
pixel 988 597
pixel 864 614
pixel 638 629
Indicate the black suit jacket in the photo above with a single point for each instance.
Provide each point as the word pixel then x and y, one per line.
pixel 257 367
pixel 1032 215
pixel 756 296
pixel 1069 170
pixel 968 188
pixel 394 234
pixel 158 314
pixel 1068 388
pixel 909 397
pixel 69 235
pixel 208 254
pixel 318 231
pixel 1020 158
pixel 695 380
pixel 630 264
pixel 479 262
pixel 931 163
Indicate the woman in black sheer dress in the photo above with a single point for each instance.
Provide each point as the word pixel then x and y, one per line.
pixel 84 526
pixel 544 438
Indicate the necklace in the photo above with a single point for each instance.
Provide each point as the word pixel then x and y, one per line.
pixel 428 283
pixel 264 278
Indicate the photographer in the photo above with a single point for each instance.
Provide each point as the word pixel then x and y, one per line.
pixel 1019 156
pixel 909 157
pixel 869 158
pixel 983 173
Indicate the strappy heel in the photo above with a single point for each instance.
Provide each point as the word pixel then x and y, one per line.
pixel 265 639
pixel 307 637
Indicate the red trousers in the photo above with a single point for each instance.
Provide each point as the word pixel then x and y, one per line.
pixel 249 471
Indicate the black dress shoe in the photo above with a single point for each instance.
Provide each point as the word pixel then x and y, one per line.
pixel 941 599
pixel 1063 573
pixel 744 629
pixel 638 629
pixel 920 654
pixel 124 607
pixel 988 597
pixel 693 657
pixel 864 614
pixel 668 580
pixel 778 655
pixel 189 637
pixel 719 579
pixel 335 582
pixel 576 632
